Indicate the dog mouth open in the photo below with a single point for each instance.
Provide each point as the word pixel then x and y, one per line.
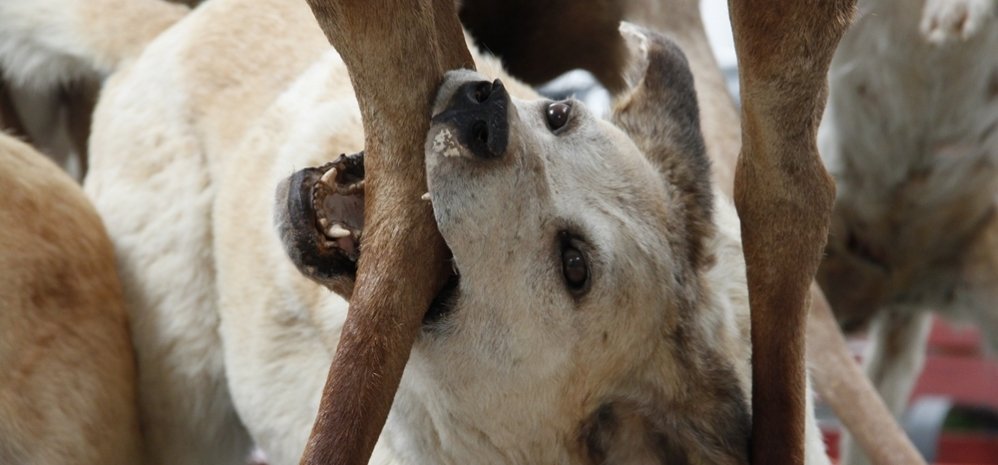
pixel 321 223
pixel 322 228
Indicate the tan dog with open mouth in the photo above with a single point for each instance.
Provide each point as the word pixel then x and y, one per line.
pixel 910 135
pixel 601 310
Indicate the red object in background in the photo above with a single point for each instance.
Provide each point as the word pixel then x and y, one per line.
pixel 953 340
pixel 957 367
pixel 967 381
pixel 961 449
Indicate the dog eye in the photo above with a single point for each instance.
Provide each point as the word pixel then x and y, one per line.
pixel 557 115
pixel 575 269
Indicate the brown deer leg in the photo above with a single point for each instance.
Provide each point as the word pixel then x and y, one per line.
pixel 836 375
pixel 784 199
pixel 396 52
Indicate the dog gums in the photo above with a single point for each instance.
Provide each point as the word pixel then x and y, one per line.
pixel 386 308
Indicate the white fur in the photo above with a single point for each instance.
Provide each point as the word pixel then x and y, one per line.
pixel 910 136
pixel 157 202
pixel 39 43
pixel 50 42
pixel 189 143
pixel 949 21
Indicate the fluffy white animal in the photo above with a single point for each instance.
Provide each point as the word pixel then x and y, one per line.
pixel 911 136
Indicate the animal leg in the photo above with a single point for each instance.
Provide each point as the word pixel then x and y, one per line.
pixel 784 199
pixel 388 304
pixel 892 362
pixel 843 385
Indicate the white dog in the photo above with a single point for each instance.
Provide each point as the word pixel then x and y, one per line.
pixel 911 136
pixel 598 314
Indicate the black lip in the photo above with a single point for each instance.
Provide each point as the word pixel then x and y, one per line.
pixel 302 239
pixel 310 250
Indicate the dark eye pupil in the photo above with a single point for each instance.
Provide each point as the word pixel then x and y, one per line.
pixel 558 114
pixel 574 267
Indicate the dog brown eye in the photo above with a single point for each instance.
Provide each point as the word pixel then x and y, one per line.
pixel 557 114
pixel 575 269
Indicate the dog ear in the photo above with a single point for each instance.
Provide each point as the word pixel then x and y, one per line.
pixel 659 111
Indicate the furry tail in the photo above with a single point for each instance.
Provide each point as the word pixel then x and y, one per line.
pixel 44 43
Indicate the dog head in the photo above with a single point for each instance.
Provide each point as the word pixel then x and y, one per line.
pixel 581 246
pixel 579 325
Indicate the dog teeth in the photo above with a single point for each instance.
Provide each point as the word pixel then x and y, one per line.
pixel 329 177
pixel 337 231
pixel 355 187
pixel 425 197
pixel 324 223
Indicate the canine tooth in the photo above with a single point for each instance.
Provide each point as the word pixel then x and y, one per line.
pixel 323 222
pixel 337 231
pixel 355 187
pixel 425 196
pixel 329 177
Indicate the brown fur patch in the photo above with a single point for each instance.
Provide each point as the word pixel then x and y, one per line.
pixel 67 391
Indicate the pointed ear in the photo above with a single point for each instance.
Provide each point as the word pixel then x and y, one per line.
pixel 659 111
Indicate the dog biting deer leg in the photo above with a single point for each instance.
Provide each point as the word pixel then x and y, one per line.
pixel 386 309
pixel 323 221
pixel 784 199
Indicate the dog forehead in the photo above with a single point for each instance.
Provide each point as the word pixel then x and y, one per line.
pixel 594 173
pixel 593 147
pixel 603 165
pixel 601 182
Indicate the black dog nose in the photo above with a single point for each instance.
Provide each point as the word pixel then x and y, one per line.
pixel 478 111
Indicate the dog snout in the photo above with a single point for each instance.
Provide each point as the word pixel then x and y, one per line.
pixel 478 113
